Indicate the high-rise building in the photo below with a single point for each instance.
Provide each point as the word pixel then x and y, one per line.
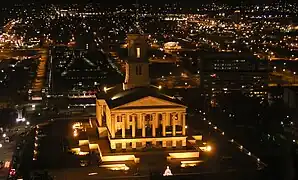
pixel 236 16
pixel 227 72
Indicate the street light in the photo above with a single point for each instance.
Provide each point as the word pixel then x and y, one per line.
pixel 4 135
pixel 208 148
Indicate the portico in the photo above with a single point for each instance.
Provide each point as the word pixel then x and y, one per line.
pixel 134 121
pixel 147 121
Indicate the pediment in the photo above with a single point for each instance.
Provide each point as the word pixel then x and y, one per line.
pixel 150 101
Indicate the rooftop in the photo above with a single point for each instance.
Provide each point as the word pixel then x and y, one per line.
pixel 116 96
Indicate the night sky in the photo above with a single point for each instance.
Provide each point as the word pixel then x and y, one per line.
pixel 185 2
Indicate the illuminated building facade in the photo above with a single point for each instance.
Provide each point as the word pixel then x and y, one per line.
pixel 135 115
pixel 228 72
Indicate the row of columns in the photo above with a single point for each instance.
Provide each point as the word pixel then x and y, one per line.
pixel 165 116
pixel 163 142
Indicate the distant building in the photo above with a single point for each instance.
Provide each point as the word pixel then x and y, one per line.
pixel 236 16
pixel 75 76
pixel 227 72
pixel 290 97
pixel 275 94
pixel 77 72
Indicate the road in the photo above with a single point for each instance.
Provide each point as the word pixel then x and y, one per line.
pixel 8 148
pixel 40 75
pixel 287 76
pixel 6 153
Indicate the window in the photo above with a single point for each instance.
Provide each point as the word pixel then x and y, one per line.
pixel 139 70
pixel 138 52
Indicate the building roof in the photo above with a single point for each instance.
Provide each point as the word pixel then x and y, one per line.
pixel 116 96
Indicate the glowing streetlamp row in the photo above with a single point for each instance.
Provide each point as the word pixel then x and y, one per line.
pixel 232 140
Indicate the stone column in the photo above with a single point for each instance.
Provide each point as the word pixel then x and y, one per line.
pixel 157 122
pixel 133 127
pixel 179 117
pixel 154 142
pixel 153 125
pixel 139 121
pixel 113 123
pixel 143 125
pixel 164 143
pixel 134 145
pixel 123 145
pixel 173 118
pixel 183 124
pixel 168 118
pixel 127 120
pixel 123 126
pixel 173 143
pixel 113 145
pixel 184 142
pixel 99 114
pixel 164 124
pixel 143 144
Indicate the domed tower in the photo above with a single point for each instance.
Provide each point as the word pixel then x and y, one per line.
pixel 137 64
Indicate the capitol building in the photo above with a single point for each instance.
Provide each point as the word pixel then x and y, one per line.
pixel 136 115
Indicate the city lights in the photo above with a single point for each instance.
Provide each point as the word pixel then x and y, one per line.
pixel 172 85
